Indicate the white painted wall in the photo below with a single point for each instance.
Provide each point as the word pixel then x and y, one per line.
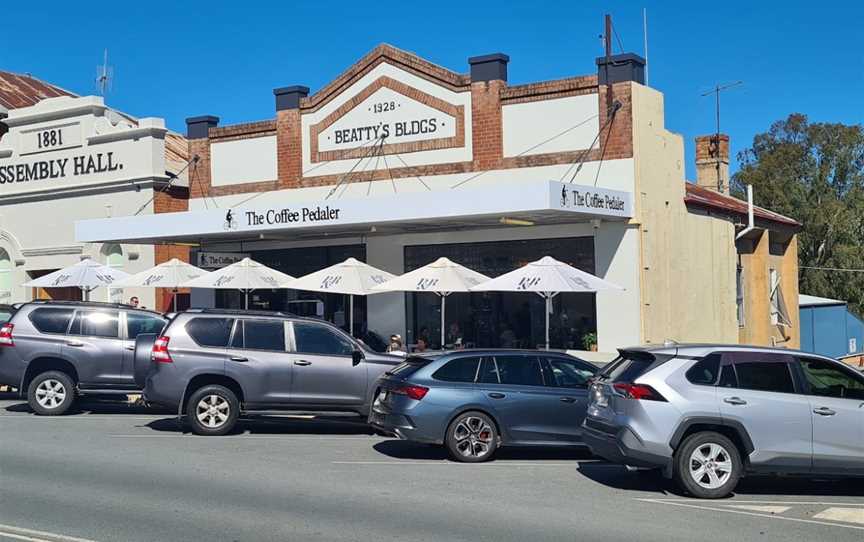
pixel 526 125
pixel 243 161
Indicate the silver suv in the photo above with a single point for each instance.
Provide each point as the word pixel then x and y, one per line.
pixel 708 414
pixel 53 351
pixel 212 365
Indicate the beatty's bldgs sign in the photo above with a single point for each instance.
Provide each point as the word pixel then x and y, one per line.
pixel 59 168
pixel 537 201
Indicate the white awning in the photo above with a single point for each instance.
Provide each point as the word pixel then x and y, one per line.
pixel 548 202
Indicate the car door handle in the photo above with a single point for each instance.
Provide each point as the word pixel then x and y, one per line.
pixel 568 399
pixel 497 395
pixel 129 347
pixel 735 401
pixel 239 358
pixel 74 343
pixel 302 362
pixel 824 411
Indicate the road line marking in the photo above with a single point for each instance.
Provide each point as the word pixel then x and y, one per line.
pixel 847 515
pixel 246 437
pixel 31 535
pixel 447 462
pixel 754 514
pixel 765 509
pixel 755 501
pixel 80 417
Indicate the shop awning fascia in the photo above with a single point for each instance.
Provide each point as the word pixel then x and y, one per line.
pixel 539 202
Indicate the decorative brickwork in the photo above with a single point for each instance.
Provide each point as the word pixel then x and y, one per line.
pixel 199 172
pixel 549 90
pixel 243 131
pixel 391 55
pixel 455 111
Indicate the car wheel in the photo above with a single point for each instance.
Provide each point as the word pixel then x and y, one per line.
pixel 472 438
pixel 212 410
pixel 707 465
pixel 51 393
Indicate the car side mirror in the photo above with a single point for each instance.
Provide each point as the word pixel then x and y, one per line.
pixel 357 356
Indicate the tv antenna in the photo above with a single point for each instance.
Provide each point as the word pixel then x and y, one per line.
pixel 716 92
pixel 104 76
pixel 718 88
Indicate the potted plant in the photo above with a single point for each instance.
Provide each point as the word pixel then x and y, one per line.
pixel 589 342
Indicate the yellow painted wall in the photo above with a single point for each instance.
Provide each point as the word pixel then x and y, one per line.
pixel 688 260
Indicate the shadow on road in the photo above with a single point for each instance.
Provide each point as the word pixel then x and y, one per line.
pixel 618 477
pixel 95 406
pixel 277 425
pixel 400 449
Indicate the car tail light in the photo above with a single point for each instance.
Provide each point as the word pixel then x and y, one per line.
pixel 160 352
pixel 6 335
pixel 640 392
pixel 414 392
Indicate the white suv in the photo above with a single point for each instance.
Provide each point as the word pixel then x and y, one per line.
pixel 708 414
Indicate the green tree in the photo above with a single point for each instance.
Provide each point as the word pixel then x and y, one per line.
pixel 815 174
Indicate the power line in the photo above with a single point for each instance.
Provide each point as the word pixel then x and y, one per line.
pixel 529 149
pixel 171 178
pixel 831 269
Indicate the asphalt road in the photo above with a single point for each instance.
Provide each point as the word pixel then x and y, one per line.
pixel 120 473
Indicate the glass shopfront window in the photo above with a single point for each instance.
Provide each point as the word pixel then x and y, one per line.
pixel 298 262
pixel 503 319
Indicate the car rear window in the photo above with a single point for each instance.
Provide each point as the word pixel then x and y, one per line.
pixel 631 365
pixel 409 366
pixel 458 370
pixel 210 331
pixel 705 371
pixel 51 320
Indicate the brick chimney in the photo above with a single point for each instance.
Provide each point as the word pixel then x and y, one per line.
pixel 712 162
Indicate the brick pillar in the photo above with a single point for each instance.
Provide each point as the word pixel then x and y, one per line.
pixel 488 79
pixel 197 134
pixel 617 138
pixel 289 136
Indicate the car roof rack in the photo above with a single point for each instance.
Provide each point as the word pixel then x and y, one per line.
pixel 243 312
pixel 102 304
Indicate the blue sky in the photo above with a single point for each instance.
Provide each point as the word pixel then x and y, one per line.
pixel 180 59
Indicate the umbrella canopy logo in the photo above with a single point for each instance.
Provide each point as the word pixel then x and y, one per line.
pixel 271 281
pixel 223 280
pixel 152 279
pixel 330 281
pixel 426 284
pixel 527 282
pixel 60 280
pixel 378 279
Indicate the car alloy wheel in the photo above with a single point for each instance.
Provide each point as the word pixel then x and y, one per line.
pixel 212 411
pixel 50 394
pixel 710 465
pixel 473 437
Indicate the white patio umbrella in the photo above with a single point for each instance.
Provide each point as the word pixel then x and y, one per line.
pixel 86 274
pixel 547 277
pixel 245 275
pixel 351 277
pixel 442 277
pixel 171 274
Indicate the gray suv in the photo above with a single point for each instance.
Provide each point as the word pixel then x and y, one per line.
pixel 708 414
pixel 53 351
pixel 212 365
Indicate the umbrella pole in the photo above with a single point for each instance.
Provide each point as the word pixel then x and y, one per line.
pixel 246 305
pixel 443 308
pixel 351 316
pixel 548 310
pixel 175 299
